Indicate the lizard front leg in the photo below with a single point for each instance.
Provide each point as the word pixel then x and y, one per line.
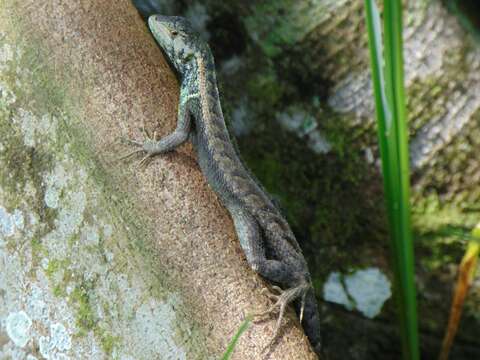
pixel 153 147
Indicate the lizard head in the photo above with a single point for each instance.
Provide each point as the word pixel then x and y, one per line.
pixel 180 42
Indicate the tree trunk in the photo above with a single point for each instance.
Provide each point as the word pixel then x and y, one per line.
pixel 100 258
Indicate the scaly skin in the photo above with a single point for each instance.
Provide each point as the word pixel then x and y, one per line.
pixel 265 236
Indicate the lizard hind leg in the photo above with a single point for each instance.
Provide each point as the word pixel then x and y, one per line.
pixel 250 237
pixel 283 298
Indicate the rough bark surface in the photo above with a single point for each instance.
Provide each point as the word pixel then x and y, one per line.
pixel 98 258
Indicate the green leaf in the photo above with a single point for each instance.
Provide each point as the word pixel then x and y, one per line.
pixel 390 111
pixel 231 346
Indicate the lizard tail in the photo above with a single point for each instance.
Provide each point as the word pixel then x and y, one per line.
pixel 311 321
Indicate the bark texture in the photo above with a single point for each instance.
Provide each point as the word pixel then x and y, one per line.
pixel 98 258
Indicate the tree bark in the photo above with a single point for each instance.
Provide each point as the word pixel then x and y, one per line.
pixel 100 258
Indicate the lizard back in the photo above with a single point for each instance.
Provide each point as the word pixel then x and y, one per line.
pixel 219 160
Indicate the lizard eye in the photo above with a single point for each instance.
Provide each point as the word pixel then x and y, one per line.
pixel 188 57
pixel 174 32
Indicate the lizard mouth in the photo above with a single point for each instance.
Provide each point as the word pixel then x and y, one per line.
pixel 159 30
pixel 163 37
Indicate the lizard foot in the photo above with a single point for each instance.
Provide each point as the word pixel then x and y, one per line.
pixel 282 298
pixel 148 140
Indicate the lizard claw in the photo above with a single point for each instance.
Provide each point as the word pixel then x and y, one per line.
pixel 126 156
pixel 268 293
pixel 131 142
pixel 282 298
pixel 302 306
pixel 140 144
pixel 144 160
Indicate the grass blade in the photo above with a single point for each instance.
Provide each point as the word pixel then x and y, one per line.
pixel 393 138
pixel 466 273
pixel 231 346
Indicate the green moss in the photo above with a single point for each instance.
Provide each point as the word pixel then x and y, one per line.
pixel 25 164
pixel 107 341
pixel 420 102
pixel 22 165
pixel 266 26
pixel 59 291
pixel 53 267
pixel 451 178
pixel 264 86
pixel 441 231
pixel 86 320
pixel 279 25
pixel 37 247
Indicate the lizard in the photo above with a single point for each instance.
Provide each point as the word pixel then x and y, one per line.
pixel 266 238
